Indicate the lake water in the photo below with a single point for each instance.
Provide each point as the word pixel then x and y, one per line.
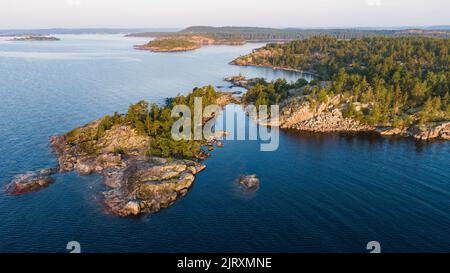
pixel 319 192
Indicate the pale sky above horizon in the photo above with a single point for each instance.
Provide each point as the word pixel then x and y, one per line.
pixel 183 13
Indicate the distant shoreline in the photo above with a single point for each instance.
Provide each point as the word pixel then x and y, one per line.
pixel 162 50
pixel 32 38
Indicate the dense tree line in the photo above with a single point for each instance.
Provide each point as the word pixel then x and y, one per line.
pixel 267 34
pixel 150 120
pixel 269 93
pixel 400 80
pixel 273 34
pixel 156 122
pixel 167 44
pixel 160 123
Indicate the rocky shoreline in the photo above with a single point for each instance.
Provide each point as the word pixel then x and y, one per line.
pixel 146 187
pixel 325 117
pixel 328 117
pixel 439 130
pixel 242 62
pixel 241 81
pixel 278 68
pixel 298 113
pixel 137 184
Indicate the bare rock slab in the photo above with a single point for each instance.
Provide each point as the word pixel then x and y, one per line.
pixel 30 181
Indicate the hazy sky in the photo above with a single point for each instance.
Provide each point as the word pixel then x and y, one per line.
pixel 182 13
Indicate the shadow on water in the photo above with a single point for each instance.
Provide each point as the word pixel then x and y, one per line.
pixel 373 140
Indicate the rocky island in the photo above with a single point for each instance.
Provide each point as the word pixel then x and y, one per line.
pixel 249 182
pixel 143 167
pixel 169 45
pixel 186 42
pixel 34 38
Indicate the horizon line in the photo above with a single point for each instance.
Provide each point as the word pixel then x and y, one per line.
pixel 242 26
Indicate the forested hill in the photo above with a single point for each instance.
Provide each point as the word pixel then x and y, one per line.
pixel 371 57
pixel 401 79
pixel 255 34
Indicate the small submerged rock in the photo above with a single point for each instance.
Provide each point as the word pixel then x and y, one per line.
pixel 249 182
pixel 30 181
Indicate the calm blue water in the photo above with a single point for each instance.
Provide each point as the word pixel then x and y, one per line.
pixel 325 193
